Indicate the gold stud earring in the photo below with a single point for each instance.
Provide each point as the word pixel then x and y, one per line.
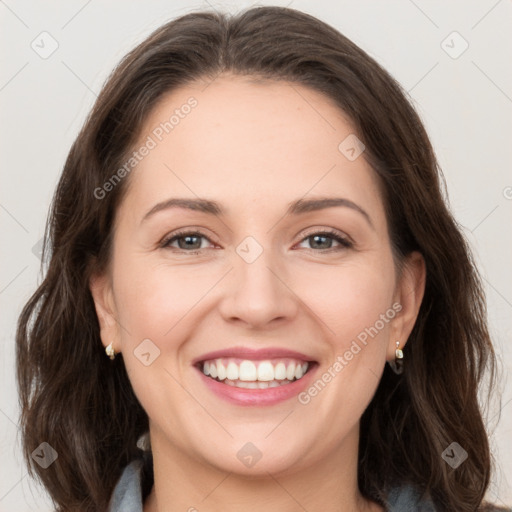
pixel 398 364
pixel 110 351
pixel 398 353
pixel 399 359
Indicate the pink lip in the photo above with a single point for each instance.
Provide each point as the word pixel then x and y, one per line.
pixel 268 396
pixel 253 354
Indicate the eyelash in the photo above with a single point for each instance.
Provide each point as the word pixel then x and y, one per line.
pixel 344 242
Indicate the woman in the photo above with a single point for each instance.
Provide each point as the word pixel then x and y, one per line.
pixel 247 228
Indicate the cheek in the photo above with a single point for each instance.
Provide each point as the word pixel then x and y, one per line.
pixel 349 299
pixel 151 299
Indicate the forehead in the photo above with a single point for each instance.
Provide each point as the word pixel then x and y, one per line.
pixel 238 139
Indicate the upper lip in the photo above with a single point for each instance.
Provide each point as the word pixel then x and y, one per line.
pixel 253 354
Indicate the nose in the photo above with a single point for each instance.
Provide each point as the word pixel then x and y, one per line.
pixel 258 293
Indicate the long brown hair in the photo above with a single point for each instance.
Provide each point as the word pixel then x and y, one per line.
pixel 82 404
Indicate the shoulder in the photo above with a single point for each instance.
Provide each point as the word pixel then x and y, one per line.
pixel 406 498
pixel 131 488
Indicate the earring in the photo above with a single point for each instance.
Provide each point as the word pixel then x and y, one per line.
pixel 398 364
pixel 110 351
pixel 399 359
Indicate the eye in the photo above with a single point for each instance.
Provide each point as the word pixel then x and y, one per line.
pixel 192 241
pixel 187 241
pixel 324 240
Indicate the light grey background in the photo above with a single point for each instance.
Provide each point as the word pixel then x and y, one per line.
pixel 465 102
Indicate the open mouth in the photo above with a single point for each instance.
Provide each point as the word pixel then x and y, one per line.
pixel 251 374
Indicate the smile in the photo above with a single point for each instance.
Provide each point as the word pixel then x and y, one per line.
pixel 248 374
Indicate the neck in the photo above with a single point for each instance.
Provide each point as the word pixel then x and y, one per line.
pixel 183 483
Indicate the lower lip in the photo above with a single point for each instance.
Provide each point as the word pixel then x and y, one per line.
pixel 268 396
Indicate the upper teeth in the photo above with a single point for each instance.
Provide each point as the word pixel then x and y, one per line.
pixel 247 370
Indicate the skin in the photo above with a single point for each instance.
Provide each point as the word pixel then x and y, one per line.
pixel 254 148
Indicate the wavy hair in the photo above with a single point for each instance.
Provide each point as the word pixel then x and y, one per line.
pixel 81 403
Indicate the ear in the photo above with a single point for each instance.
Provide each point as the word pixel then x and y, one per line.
pixel 102 294
pixel 409 294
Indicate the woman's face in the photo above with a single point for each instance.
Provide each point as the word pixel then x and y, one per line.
pixel 259 276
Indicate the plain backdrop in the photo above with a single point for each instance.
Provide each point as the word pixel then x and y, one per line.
pixel 452 56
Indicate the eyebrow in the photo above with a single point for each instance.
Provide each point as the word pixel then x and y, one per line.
pixel 298 207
